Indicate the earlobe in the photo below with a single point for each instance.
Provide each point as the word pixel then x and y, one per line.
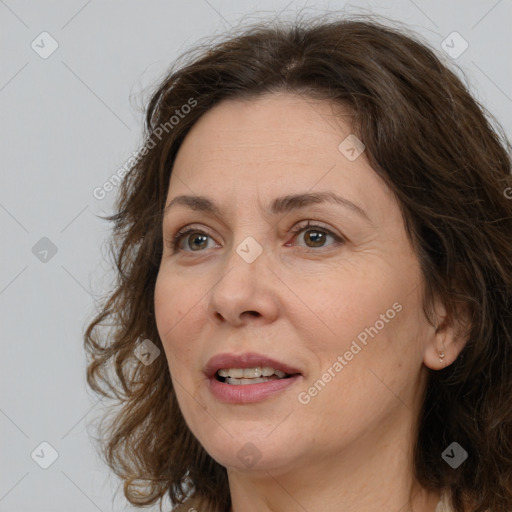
pixel 441 357
pixel 446 342
pixel 437 356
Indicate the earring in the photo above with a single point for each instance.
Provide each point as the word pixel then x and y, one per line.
pixel 441 356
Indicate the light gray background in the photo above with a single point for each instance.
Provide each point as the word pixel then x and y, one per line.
pixel 68 122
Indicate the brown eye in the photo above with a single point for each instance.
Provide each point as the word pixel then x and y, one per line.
pixel 198 239
pixel 194 240
pixel 315 235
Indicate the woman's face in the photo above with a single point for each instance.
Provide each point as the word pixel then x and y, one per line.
pixel 336 304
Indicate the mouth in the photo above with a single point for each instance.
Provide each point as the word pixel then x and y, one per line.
pixel 248 377
pixel 254 375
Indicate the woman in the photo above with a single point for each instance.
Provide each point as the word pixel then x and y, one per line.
pixel 314 246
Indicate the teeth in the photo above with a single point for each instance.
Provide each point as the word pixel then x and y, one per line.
pixel 236 373
pixel 253 374
pixel 266 371
pixel 229 380
pixel 238 382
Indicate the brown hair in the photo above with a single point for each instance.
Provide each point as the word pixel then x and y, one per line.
pixel 447 162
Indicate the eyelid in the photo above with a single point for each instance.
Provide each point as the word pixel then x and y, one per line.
pixel 307 225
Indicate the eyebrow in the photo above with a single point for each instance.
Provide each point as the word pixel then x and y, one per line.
pixel 280 205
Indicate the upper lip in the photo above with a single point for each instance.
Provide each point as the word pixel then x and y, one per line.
pixel 245 360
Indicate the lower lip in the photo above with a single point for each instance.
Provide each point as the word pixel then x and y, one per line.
pixel 249 393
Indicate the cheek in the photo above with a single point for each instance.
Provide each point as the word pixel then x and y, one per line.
pixel 169 312
pixel 348 305
pixel 370 319
pixel 174 302
pixel 165 308
pixel 178 321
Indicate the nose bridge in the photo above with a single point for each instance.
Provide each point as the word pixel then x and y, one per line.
pixel 247 261
pixel 250 249
pixel 244 285
pixel 251 229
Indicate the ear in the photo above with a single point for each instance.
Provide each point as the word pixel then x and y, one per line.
pixel 447 340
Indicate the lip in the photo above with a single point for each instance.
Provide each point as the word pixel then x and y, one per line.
pixel 247 393
pixel 245 360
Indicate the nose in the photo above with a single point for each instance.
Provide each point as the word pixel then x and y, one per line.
pixel 244 293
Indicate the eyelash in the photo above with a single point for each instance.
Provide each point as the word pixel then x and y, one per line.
pixel 174 241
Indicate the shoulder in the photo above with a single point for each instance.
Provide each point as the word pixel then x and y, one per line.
pixel 444 503
pixel 191 505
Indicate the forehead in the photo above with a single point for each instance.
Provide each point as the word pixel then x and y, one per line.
pixel 271 145
pixel 282 125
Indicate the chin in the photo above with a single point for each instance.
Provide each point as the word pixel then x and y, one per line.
pixel 252 451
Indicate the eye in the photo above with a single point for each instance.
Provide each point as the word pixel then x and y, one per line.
pixel 196 237
pixel 317 234
pixel 199 239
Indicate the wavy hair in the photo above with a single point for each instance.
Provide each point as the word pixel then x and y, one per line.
pixel 447 161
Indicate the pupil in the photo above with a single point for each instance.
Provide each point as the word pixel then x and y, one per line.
pixel 319 235
pixel 194 238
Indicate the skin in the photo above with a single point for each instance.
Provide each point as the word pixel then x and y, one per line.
pixel 303 301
